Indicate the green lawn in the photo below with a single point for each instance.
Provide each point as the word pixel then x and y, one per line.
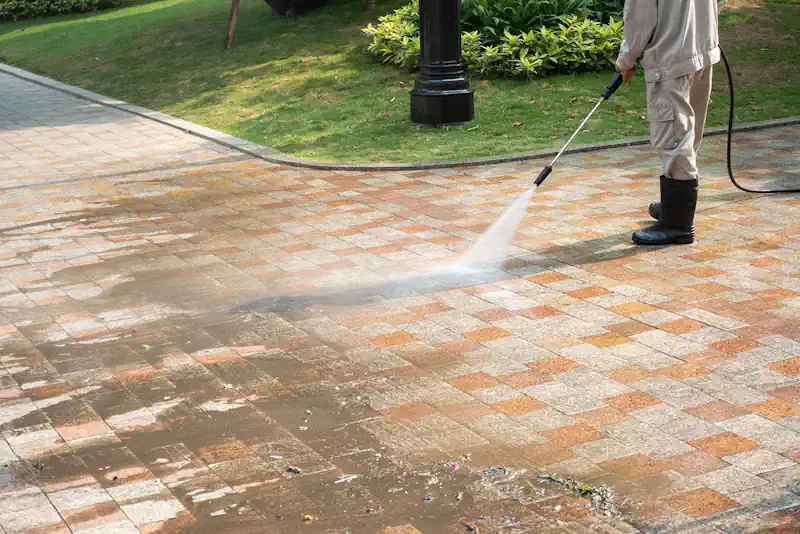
pixel 306 86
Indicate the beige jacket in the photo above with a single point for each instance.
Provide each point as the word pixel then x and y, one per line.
pixel 672 38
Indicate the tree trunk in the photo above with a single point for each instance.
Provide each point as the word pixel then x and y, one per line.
pixel 231 24
pixel 369 5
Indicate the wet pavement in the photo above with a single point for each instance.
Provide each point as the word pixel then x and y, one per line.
pixel 196 341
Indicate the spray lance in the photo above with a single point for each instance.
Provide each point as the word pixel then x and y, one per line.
pixel 616 82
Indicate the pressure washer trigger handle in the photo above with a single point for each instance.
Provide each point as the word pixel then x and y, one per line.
pixel 543 175
pixel 616 82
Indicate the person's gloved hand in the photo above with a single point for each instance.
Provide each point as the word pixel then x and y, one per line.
pixel 627 74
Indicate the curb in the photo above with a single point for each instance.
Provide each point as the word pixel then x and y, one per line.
pixel 274 156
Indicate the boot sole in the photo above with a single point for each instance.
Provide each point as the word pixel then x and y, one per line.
pixel 673 241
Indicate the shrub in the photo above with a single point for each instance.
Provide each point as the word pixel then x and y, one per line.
pixel 28 9
pixel 574 44
pixel 495 17
pixel 605 10
pixel 396 38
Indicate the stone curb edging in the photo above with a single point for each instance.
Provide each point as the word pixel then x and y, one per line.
pixel 274 156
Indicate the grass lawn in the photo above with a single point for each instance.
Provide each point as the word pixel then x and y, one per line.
pixel 306 86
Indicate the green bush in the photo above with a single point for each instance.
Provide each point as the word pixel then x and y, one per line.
pixel 605 10
pixel 495 17
pixel 396 38
pixel 28 9
pixel 574 44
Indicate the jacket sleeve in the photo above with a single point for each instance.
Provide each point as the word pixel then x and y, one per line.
pixel 640 20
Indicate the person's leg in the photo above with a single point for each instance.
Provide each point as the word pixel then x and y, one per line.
pixel 674 140
pixel 699 98
pixel 672 133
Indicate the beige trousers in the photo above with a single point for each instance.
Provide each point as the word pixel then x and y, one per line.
pixel 676 111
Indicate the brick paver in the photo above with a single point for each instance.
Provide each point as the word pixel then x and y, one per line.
pixel 197 341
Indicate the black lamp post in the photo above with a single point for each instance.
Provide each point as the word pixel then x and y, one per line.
pixel 441 94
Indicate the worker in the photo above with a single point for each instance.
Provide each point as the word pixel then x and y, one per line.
pixel 677 44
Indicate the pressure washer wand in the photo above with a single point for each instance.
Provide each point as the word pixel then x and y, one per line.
pixel 616 82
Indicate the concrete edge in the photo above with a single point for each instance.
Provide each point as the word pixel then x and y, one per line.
pixel 274 156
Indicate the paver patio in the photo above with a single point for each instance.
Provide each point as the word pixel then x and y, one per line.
pixel 194 340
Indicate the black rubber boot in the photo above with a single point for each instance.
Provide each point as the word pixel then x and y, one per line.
pixel 655 210
pixel 676 223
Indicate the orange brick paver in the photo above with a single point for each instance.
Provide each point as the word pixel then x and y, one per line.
pixel 554 365
pixel 486 334
pixel 396 338
pixel 473 381
pixel 774 409
pixel 724 444
pixel 569 436
pixel 602 417
pixel 411 412
pixel 695 463
pixel 633 308
pixel 789 367
pixel 606 340
pixel 684 371
pixel 518 406
pixel 701 503
pixel 717 411
pixel 629 402
pixel 630 373
pixel 523 379
pixel 634 466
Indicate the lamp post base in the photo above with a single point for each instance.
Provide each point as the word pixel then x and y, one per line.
pixel 442 108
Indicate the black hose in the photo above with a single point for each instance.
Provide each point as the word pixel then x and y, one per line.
pixel 730 137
